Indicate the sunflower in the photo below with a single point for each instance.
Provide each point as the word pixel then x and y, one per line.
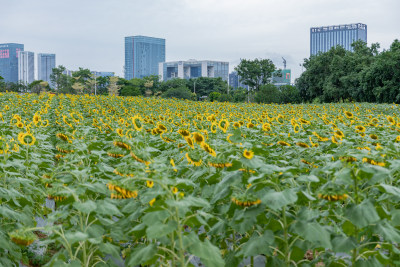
pixel 213 127
pixel 151 202
pixel 62 137
pixel 398 138
pixel 192 162
pixel 122 145
pixel 20 125
pixel 44 123
pixel 36 119
pixel 301 144
pixel 162 127
pixel 149 184
pixel 333 197
pixel 360 129
pixel 220 165
pixel 348 114
pixel 190 142
pixel 184 133
pixel 208 149
pixel 172 162
pixel 26 139
pixel 67 122
pixel 391 120
pixel 174 190
pixel 248 154
pixel 296 128
pixel 236 125
pixel 223 125
pixel 266 127
pixel 373 136
pixel 250 125
pixel 137 123
pixel 120 132
pixel 334 140
pixel 198 138
pixel 283 143
pixel 338 134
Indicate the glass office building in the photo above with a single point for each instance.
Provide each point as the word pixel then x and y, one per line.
pixel 142 56
pixel 234 81
pixel 26 67
pixel 46 64
pixel 9 61
pixel 322 39
pixel 103 73
pixel 193 69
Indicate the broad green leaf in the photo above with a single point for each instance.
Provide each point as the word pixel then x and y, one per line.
pixel 258 245
pixel 85 207
pixel 363 214
pixel 313 232
pixel 141 254
pixel 277 200
pixel 157 230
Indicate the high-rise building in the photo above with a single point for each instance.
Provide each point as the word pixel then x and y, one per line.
pixel 142 55
pixel 46 64
pixel 234 81
pixel 26 67
pixel 9 61
pixel 192 69
pixel 322 39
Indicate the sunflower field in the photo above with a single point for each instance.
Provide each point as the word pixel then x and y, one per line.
pixel 129 181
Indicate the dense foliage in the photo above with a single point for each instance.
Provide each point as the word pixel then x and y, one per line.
pixel 365 75
pixel 158 181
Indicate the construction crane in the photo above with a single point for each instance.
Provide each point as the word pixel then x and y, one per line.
pixel 284 63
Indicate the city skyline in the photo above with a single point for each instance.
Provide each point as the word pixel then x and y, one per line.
pixel 212 30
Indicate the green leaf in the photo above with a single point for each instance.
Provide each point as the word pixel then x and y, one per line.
pixel 208 253
pixel 387 231
pixel 391 189
pixel 277 200
pixel 104 207
pixel 108 248
pixel 363 214
pixel 258 245
pixel 343 244
pixel 158 230
pixel 77 236
pixel 141 254
pixel 314 233
pixel 308 178
pixel 85 207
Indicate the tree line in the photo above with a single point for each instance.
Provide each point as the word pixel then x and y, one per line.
pixel 363 75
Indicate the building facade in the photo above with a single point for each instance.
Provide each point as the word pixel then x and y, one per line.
pixel 9 61
pixel 193 69
pixel 284 78
pixel 103 73
pixel 26 67
pixel 45 64
pixel 234 81
pixel 322 39
pixel 142 56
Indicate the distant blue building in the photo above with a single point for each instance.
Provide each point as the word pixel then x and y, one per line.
pixel 103 73
pixel 9 61
pixel 234 81
pixel 322 39
pixel 46 64
pixel 142 56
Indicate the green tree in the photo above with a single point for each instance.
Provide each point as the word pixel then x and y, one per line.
pixel 203 86
pixel 134 87
pixel 289 94
pixel 181 93
pixel 255 73
pixel 268 93
pixel 61 81
pixel 38 86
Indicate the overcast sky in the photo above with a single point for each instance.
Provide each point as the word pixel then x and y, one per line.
pixel 90 33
